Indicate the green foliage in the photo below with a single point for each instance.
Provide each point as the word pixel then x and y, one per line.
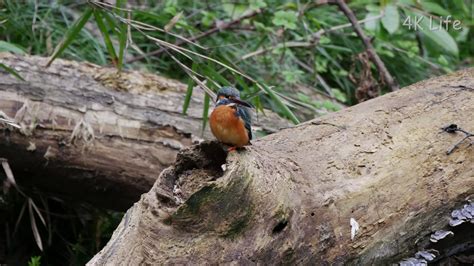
pixel 439 36
pixel 287 19
pixel 10 47
pixel 35 261
pixel 257 51
pixel 391 20
pixel 187 99
pixel 71 34
pixel 205 112
pixel 38 28
pixel 105 33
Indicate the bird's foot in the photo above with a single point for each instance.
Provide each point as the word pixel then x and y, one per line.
pixel 233 148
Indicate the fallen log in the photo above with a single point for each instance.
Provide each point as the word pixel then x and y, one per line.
pixel 92 134
pixel 293 197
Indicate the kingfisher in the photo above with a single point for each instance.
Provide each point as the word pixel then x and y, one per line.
pixel 230 121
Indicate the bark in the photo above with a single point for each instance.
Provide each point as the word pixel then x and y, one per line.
pixel 91 134
pixel 289 197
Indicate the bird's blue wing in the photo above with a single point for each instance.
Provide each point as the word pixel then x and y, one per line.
pixel 245 114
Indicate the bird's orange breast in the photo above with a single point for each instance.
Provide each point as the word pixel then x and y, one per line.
pixel 227 127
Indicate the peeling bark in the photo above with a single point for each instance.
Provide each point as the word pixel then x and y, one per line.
pixel 289 197
pixel 91 134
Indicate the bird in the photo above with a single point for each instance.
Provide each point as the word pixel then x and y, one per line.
pixel 231 121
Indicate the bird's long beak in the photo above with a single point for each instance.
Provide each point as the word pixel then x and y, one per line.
pixel 243 103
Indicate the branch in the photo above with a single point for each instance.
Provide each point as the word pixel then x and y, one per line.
pixel 218 27
pixel 453 128
pixel 387 77
pixel 318 34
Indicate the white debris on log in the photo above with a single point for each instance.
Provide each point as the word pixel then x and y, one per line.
pixel 438 235
pixel 354 227
pixel 421 258
pixel 458 216
pixel 465 214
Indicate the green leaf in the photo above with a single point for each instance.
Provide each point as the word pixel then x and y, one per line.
pixel 439 36
pixel 391 19
pixel 11 71
pixel 35 261
pixel 373 8
pixel 371 25
pixel 443 61
pixel 10 47
pixel 187 98
pixel 71 34
pixel 205 112
pixel 261 27
pixel 324 40
pixel 122 36
pixel 256 4
pixel 211 72
pixel 407 2
pixel 234 10
pixel 208 18
pixel 105 34
pixel 330 106
pixel 321 65
pixel 122 45
pixel 339 95
pixel 434 8
pixel 287 19
pixel 110 21
pixel 171 7
pixel 292 76
pixel 277 100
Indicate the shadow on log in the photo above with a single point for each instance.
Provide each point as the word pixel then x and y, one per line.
pixel 95 135
pixel 288 198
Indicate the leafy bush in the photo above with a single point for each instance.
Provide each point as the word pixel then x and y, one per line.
pixel 276 46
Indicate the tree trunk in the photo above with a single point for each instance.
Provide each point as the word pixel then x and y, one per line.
pixel 290 196
pixel 91 134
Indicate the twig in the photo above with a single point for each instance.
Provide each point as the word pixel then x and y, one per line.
pixel 387 77
pixel 280 45
pixel 433 65
pixel 316 36
pixel 453 128
pixel 217 28
pixel 9 122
